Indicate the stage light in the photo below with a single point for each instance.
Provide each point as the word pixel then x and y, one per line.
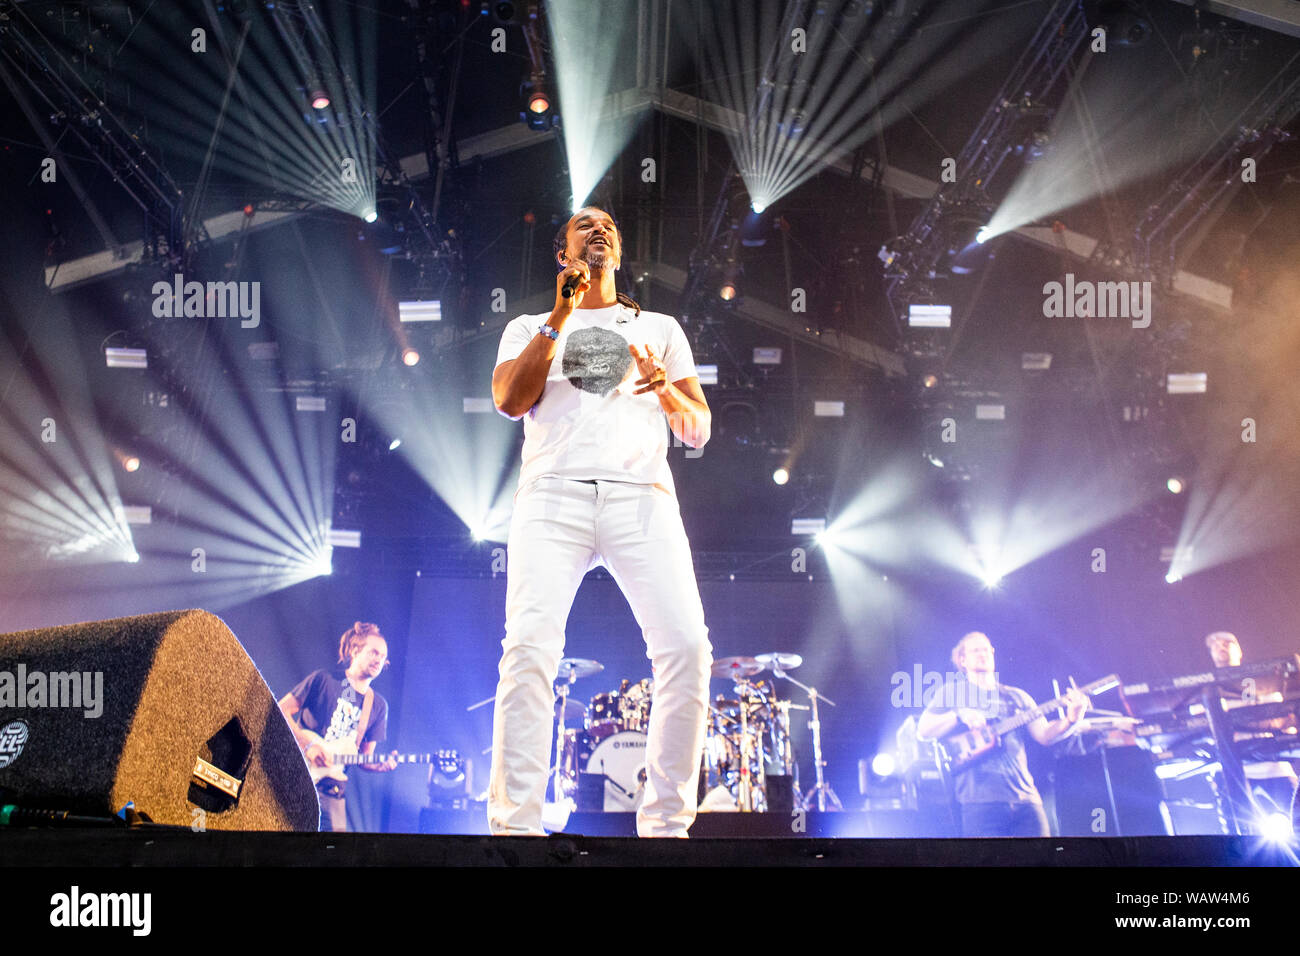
pixel 395 444
pixel 126 358
pixel 1175 485
pixel 410 357
pixel 249 210
pixel 758 205
pixel 137 514
pixel 1186 383
pixel 128 461
pixel 929 316
pixel 341 538
pixel 322 564
pixel 539 102
pixel 369 214
pixel 133 557
pixel 320 100
pixel 827 538
pixel 781 476
pixel 1275 826
pixel 727 291
pixel 420 311
pixel 990 579
pixel 929 380
pixel 883 764
pixel 754 230
pixel 934 459
pixel 967 234
pixel 807 526
pixel 1173 577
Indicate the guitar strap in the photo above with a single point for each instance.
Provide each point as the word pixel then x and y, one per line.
pixel 366 706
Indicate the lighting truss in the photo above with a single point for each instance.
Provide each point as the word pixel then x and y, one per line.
pixel 1030 88
pixel 29 59
pixel 1165 230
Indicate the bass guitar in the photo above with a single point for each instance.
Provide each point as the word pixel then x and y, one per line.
pixel 959 750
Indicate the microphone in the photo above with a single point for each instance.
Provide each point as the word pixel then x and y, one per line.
pixel 571 286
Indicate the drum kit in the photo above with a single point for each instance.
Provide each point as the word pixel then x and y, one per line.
pixel 747 758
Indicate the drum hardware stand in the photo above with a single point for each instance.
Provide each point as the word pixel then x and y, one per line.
pixel 563 697
pixel 745 795
pixel 822 789
pixel 783 746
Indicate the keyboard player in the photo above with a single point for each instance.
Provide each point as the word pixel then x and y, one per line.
pixel 1277 778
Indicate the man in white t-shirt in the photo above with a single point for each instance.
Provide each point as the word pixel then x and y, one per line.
pixel 594 381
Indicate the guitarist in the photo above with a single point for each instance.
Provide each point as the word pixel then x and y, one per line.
pixel 996 793
pixel 334 707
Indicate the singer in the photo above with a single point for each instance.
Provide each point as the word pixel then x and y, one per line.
pixel 594 380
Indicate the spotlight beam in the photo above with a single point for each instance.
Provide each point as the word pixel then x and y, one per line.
pixel 585 72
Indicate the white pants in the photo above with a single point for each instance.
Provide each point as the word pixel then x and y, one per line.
pixel 559 531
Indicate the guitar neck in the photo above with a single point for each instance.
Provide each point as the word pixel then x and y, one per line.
pixel 1023 717
pixel 356 759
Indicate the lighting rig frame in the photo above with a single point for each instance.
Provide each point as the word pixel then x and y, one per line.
pixel 914 257
pixel 105 136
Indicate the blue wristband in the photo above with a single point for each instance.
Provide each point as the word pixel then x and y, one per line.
pixel 549 332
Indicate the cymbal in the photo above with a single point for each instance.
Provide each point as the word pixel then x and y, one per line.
pixel 575 667
pixel 781 659
pixel 736 667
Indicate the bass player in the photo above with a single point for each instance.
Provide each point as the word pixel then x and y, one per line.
pixel 996 794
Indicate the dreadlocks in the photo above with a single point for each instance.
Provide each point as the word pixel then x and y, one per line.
pixel 354 638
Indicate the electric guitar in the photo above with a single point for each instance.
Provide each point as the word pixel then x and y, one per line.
pixel 959 750
pixel 343 753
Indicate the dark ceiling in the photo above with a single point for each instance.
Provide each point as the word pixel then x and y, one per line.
pixel 1181 88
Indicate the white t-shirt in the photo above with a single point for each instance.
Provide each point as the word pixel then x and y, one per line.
pixel 588 424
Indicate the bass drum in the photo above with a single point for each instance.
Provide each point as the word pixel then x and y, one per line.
pixel 620 759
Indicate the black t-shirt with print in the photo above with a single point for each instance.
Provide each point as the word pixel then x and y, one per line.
pixel 331 707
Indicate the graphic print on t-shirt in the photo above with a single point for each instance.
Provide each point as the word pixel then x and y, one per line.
pixel 347 716
pixel 595 360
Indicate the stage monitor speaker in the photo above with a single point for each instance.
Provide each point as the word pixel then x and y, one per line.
pixel 165 711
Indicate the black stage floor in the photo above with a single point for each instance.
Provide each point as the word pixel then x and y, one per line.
pixel 182 848
pixel 180 885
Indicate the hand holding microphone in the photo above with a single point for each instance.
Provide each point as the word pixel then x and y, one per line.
pixel 571 285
